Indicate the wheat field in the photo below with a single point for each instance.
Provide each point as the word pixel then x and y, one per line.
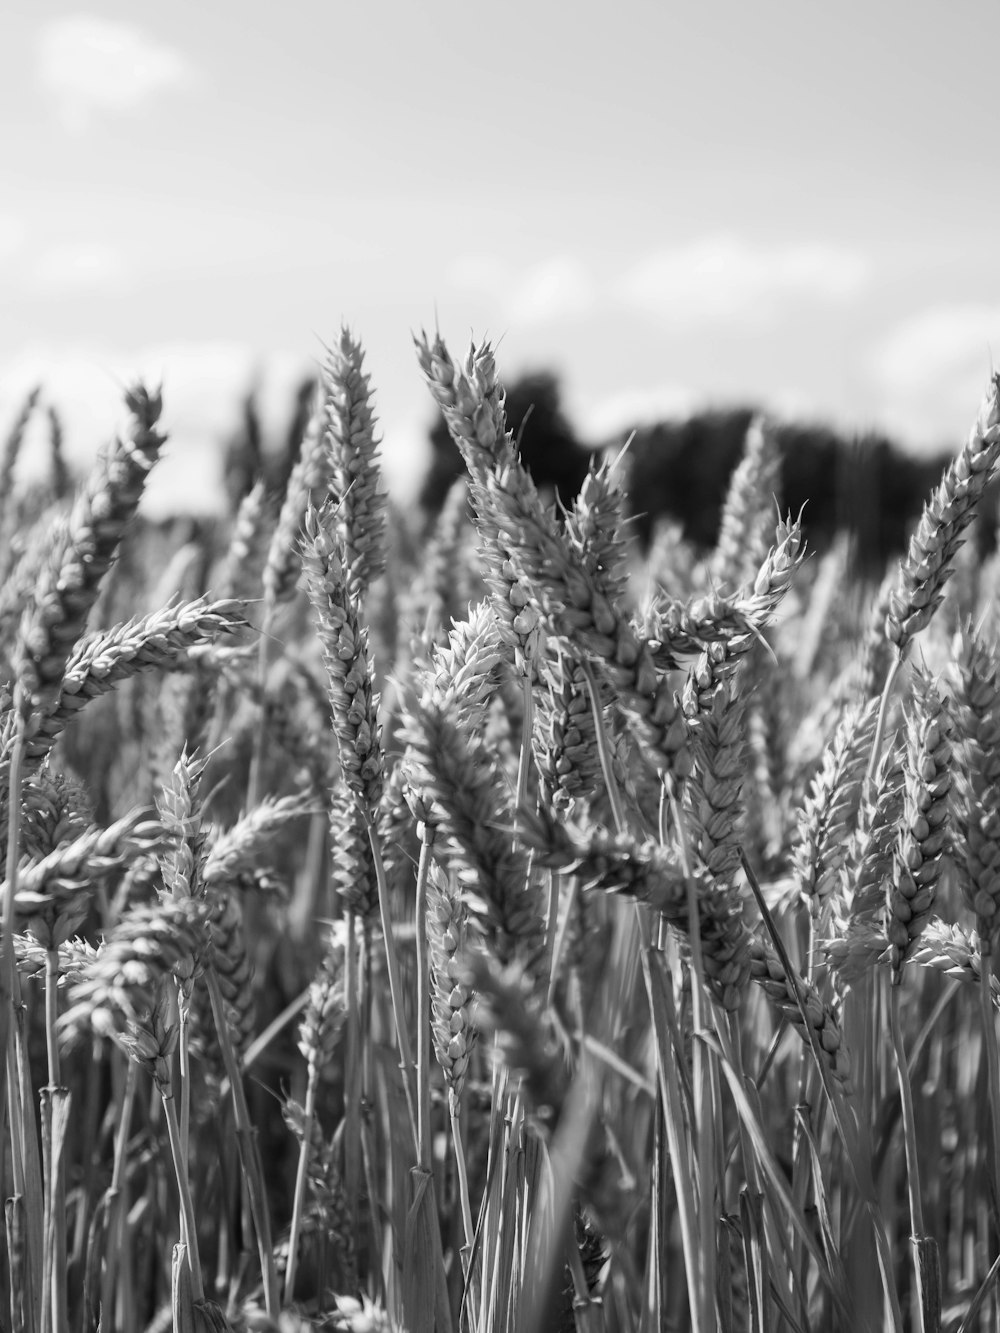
pixel 503 929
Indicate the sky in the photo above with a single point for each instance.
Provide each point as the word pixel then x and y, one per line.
pixel 669 205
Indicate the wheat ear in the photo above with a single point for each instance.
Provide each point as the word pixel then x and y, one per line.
pixel 978 699
pixel 928 565
pixel 10 452
pixel 472 403
pixel 924 831
pixel 353 463
pixel 748 511
pixel 70 582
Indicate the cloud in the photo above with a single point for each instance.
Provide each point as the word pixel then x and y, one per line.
pixel 90 65
pixel 203 388
pixel 477 272
pixel 12 233
pixel 931 371
pixel 611 417
pixel 405 454
pixel 559 287
pixel 79 265
pixel 718 280
pixel 605 420
pixel 722 279
pixel 203 385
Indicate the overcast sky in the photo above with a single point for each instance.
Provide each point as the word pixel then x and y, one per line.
pixel 669 204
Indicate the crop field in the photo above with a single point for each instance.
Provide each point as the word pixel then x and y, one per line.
pixel 504 927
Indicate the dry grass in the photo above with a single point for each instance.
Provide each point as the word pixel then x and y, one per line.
pixel 529 936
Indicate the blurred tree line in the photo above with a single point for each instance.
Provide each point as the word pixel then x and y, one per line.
pixel 864 485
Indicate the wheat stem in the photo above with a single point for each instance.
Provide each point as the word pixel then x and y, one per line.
pixel 395 982
pixel 115 1197
pixel 701 1078
pixel 604 750
pixel 189 1222
pixel 527 723
pixel 424 1045
pixel 53 1129
pixel 255 782
pixel 249 1152
pixel 52 1015
pixel 462 1171
pixel 883 712
pixel 992 1056
pixel 10 1089
pixel 667 1056
pixel 301 1174
pixel 554 937
pixel 909 1127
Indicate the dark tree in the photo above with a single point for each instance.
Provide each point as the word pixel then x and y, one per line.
pixel 865 485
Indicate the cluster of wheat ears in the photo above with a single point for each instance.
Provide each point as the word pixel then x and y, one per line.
pixel 505 931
